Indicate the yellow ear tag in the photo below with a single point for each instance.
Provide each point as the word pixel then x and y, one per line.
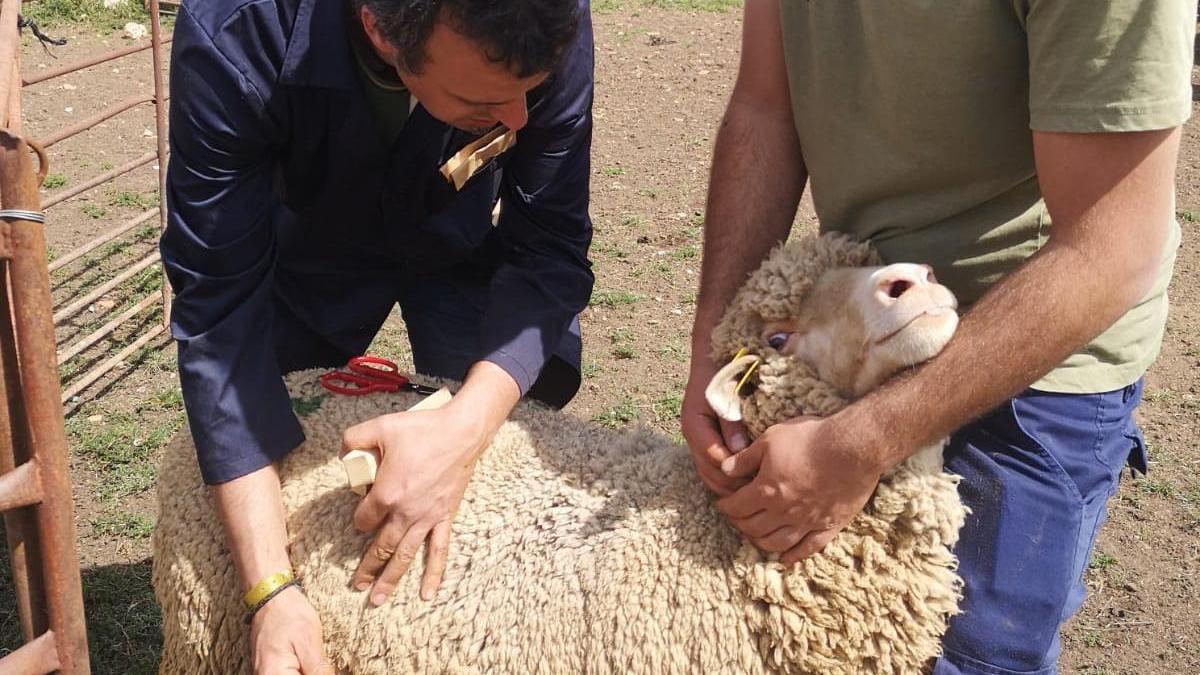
pixel 749 372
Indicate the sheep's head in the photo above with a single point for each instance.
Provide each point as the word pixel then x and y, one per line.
pixel 820 323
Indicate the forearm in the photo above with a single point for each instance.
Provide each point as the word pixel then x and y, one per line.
pixel 757 179
pixel 486 398
pixel 251 511
pixel 1102 258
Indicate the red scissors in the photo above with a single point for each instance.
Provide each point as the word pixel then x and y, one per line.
pixel 369 374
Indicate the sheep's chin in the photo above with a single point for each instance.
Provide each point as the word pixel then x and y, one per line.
pixel 920 340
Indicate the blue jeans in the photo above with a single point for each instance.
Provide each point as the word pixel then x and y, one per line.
pixel 442 313
pixel 1037 474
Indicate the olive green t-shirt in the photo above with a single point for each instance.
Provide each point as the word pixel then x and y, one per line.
pixel 387 98
pixel 916 117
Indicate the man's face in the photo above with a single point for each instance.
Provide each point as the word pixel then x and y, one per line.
pixel 458 84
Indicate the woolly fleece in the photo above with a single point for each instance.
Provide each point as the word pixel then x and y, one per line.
pixel 583 550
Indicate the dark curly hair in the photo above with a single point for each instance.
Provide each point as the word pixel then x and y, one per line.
pixel 527 36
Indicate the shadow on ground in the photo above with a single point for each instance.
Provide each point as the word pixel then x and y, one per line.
pixel 123 620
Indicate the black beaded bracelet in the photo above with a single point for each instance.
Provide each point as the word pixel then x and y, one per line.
pixel 254 610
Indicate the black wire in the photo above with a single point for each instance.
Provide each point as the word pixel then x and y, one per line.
pixel 23 23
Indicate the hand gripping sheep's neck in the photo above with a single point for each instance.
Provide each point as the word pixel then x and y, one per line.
pixel 579 549
pixel 854 328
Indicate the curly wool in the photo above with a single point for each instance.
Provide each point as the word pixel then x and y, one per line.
pixel 579 549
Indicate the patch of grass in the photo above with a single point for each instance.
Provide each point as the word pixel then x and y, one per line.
pixel 106 166
pixel 129 198
pixel 129 480
pixel 48 13
pixel 690 298
pixel 674 352
pixel 1092 638
pixel 618 415
pixel 122 448
pixel 669 405
pixel 622 339
pixel 170 400
pixel 610 249
pixel 613 171
pixel 93 211
pixel 590 369
pixel 1156 395
pixel 124 621
pixel 614 299
pixel 145 232
pixel 126 525
pixel 624 352
pixel 307 406
pixel 1158 487
pixel 688 252
pixel 116 248
pixel 54 180
pixel 631 221
pixel 621 335
pixel 1188 217
pixel 602 6
pixel 1102 561
pixel 664 270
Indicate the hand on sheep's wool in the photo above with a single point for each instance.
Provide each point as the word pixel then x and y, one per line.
pixel 428 457
pixel 711 439
pixel 810 480
pixel 286 635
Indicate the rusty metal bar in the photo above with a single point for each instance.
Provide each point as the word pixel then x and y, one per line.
pixel 78 306
pixel 19 525
pixel 103 178
pixel 100 370
pixel 84 125
pixel 34 328
pixel 10 88
pixel 13 111
pixel 160 127
pixel 107 328
pixel 87 63
pixel 21 487
pixel 15 443
pixel 103 238
pixel 38 657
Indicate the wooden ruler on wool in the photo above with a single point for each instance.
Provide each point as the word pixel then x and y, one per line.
pixel 361 465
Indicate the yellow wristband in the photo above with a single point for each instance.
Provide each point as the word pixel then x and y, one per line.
pixel 264 588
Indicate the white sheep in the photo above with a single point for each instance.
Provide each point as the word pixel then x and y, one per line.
pixel 579 549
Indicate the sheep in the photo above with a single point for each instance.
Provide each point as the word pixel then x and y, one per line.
pixel 579 549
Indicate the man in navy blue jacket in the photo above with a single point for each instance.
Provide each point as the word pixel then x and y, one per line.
pixel 306 200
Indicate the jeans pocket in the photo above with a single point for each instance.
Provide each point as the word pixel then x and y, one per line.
pixel 1139 457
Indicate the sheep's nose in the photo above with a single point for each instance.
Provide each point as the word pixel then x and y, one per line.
pixel 894 281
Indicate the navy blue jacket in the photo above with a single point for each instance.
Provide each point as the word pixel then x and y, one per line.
pixel 281 191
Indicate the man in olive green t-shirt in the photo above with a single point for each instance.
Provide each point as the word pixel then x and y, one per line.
pixel 1026 150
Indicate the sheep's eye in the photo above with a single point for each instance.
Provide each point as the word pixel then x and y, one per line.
pixel 777 340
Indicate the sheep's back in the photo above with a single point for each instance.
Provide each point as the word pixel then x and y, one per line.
pixel 576 549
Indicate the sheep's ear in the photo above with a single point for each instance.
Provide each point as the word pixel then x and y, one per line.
pixel 722 393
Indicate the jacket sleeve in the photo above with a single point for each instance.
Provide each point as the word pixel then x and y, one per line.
pixel 219 246
pixel 545 279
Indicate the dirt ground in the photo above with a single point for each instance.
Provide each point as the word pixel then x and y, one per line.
pixel 663 76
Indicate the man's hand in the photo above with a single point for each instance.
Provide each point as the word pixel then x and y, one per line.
pixel 811 481
pixel 711 440
pixel 427 458
pixel 286 637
